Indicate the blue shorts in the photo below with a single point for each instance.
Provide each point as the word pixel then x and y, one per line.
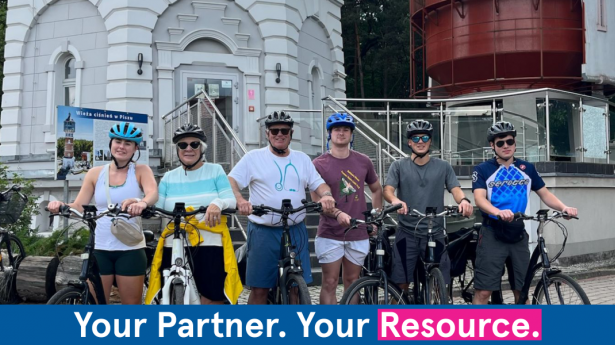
pixel 264 253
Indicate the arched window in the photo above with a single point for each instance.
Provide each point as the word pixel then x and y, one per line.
pixel 70 76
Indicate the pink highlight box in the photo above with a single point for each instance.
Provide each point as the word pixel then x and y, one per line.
pixel 459 324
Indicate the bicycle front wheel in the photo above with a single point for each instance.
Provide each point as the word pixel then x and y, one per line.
pixel 296 290
pixel 370 291
pixel 177 294
pixel 437 288
pixel 562 290
pixel 8 271
pixel 71 296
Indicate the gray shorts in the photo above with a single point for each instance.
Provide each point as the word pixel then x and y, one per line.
pixel 491 257
pixel 406 253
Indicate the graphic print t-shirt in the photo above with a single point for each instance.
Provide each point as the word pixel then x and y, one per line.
pixel 507 189
pixel 347 178
pixel 272 179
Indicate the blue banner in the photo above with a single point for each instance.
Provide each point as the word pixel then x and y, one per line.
pixel 284 324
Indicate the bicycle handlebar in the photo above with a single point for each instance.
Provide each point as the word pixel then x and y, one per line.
pixel 449 211
pixel 67 211
pixel 354 223
pixel 556 215
pixel 287 209
pixel 153 211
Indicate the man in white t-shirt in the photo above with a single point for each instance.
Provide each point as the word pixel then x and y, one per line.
pixel 274 173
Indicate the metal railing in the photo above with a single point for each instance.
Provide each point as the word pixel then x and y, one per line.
pixel 461 123
pixel 226 148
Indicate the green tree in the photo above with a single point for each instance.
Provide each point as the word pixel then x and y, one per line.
pixel 376 36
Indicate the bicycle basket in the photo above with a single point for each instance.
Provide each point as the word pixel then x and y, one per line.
pixel 11 206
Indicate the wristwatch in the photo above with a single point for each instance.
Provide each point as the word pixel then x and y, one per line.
pixel 466 199
pixel 327 194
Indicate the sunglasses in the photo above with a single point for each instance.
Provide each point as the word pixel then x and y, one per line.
pixel 425 138
pixel 183 145
pixel 275 131
pixel 509 142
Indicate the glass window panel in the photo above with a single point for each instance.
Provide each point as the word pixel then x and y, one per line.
pixel 69 96
pixel 465 134
pixel 612 135
pixel 564 130
pixel 69 69
pixel 594 133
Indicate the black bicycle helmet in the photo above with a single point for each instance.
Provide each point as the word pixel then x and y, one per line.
pixel 419 127
pixel 277 118
pixel 189 130
pixel 501 129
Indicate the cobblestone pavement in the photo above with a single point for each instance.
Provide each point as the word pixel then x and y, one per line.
pixel 599 290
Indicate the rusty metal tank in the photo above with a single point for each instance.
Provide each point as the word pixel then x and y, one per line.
pixel 486 45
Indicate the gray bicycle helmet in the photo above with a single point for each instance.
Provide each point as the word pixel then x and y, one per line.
pixel 189 130
pixel 277 118
pixel 501 129
pixel 419 127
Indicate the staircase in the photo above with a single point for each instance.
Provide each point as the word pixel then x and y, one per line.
pixel 227 150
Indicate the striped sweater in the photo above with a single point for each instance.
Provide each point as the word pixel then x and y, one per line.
pixel 206 185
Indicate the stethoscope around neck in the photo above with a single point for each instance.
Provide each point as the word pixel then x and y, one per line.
pixel 280 185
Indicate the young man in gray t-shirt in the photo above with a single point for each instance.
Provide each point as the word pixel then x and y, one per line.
pixel 419 182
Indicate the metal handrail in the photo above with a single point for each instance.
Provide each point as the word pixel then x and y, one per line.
pixel 475 98
pixel 217 114
pixel 357 119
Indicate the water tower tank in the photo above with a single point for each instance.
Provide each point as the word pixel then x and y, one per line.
pixel 484 45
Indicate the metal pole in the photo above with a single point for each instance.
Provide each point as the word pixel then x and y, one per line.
pixel 442 131
pixel 388 122
pixel 324 129
pixel 493 111
pixel 214 137
pixel 524 140
pixel 380 168
pixel 582 144
pixel 399 124
pixel 548 148
pixel 66 201
pixel 608 132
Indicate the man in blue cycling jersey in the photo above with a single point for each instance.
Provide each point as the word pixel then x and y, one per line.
pixel 502 187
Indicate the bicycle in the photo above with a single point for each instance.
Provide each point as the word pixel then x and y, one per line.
pixel 290 277
pixel 179 287
pixel 12 252
pixel 429 286
pixel 551 278
pixel 78 292
pixel 375 287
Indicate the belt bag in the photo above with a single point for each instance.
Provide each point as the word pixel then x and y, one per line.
pixel 129 233
pixel 508 232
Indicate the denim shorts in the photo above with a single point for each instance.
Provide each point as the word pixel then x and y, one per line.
pixel 264 253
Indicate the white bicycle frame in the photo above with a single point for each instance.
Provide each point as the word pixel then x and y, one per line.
pixel 180 270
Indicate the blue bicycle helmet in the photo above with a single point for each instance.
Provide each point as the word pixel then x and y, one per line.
pixel 127 131
pixel 340 119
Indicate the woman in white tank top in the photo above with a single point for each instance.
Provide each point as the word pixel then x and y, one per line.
pixel 128 182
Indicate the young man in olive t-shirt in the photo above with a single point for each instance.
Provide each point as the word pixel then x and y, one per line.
pixel 346 172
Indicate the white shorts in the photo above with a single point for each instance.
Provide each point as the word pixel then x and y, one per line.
pixel 328 250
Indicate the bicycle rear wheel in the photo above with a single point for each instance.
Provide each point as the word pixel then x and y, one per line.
pixel 71 296
pixel 370 291
pixel 562 290
pixel 295 284
pixel 8 271
pixel 437 288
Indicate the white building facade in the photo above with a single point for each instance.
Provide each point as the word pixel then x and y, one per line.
pixel 148 56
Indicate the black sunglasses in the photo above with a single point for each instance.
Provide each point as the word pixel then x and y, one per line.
pixel 425 138
pixel 509 142
pixel 183 145
pixel 275 131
